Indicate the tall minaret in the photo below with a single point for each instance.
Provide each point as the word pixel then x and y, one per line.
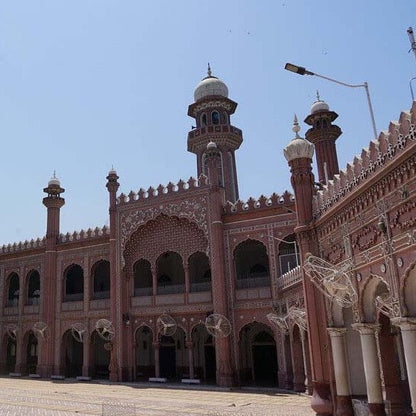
pixel 53 202
pixel 323 135
pixel 212 110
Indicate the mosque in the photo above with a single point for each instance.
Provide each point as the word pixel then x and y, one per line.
pixel 312 291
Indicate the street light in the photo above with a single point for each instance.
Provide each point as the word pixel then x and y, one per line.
pixel 300 70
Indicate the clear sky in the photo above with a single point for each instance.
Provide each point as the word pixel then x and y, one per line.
pixel 87 84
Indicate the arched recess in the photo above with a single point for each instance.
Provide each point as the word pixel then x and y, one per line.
pixel 173 355
pixel 258 355
pixel 73 283
pixel 170 273
pixel 31 343
pixel 13 289
pixel 71 355
pixel 33 287
pixel 204 353
pixel 409 292
pixel 251 264
pixel 8 357
pixel 100 356
pixel 288 254
pixel 374 287
pixel 143 279
pixel 100 273
pixel 144 354
pixel 199 272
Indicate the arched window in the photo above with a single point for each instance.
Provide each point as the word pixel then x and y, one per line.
pixel 101 277
pixel 170 273
pixel 199 272
pixel 33 288
pixel 13 292
pixel 288 254
pixel 143 279
pixel 203 120
pixel 74 283
pixel 251 264
pixel 215 117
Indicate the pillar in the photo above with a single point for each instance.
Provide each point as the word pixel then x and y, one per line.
pixel 371 367
pixel 187 282
pixel 339 357
pixel 86 348
pixel 306 361
pixel 190 347
pixel 408 330
pixel 156 346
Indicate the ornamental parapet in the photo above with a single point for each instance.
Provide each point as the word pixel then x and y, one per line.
pixel 400 137
pixel 163 191
pixel 286 200
pixel 22 246
pixel 290 278
pixel 84 234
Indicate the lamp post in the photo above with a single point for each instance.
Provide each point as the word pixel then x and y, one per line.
pixel 303 71
pixel 411 88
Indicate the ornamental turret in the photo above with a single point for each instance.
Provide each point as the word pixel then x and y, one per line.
pixel 323 135
pixel 212 111
pixel 299 153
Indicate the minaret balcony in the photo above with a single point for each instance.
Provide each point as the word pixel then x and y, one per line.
pixel 220 134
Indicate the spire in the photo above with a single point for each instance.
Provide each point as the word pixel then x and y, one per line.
pixel 317 96
pixel 296 127
pixel 209 70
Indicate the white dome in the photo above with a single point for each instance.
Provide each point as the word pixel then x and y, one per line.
pixel 298 148
pixel 211 145
pixel 54 181
pixel 210 86
pixel 319 106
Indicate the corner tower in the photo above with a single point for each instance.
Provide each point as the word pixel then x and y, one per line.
pixel 323 135
pixel 212 111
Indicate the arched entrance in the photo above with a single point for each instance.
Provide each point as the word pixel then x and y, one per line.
pixel 173 355
pixel 10 355
pixel 72 355
pixel 258 355
pixel 145 359
pixel 204 354
pixel 100 353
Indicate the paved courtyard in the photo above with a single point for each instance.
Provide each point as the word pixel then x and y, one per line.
pixel 29 397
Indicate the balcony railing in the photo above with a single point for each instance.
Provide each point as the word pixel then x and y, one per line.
pixel 73 297
pixel 169 289
pixel 290 278
pixel 104 294
pixel 200 287
pixel 250 282
pixel 143 291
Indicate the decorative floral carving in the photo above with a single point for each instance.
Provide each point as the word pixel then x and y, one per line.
pixel 365 238
pixel 405 217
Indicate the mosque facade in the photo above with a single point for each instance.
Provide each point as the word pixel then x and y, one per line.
pixel 312 291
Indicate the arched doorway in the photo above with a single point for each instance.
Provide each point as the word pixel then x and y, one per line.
pixel 31 353
pixel 10 355
pixel 72 355
pixel 144 354
pixel 173 355
pixel 258 355
pixel 204 354
pixel 100 350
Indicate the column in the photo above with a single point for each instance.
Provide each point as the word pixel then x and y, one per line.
pixel 86 357
pixel 187 282
pixel 190 347
pixel 156 346
pixel 306 361
pixel 154 284
pixel 408 330
pixel 343 398
pixel 371 367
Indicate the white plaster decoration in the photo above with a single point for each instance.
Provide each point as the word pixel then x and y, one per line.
pixel 371 360
pixel 337 336
pixel 408 331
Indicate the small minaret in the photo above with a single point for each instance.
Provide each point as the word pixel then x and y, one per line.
pixel 53 202
pixel 323 135
pixel 112 187
pixel 212 111
pixel 299 153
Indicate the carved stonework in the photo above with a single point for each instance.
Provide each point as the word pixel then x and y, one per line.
pixel 365 238
pixel 195 210
pixel 405 217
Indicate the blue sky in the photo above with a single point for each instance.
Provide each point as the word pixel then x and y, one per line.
pixel 88 84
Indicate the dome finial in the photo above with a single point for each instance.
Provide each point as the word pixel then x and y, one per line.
pixel 209 70
pixel 296 127
pixel 317 96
